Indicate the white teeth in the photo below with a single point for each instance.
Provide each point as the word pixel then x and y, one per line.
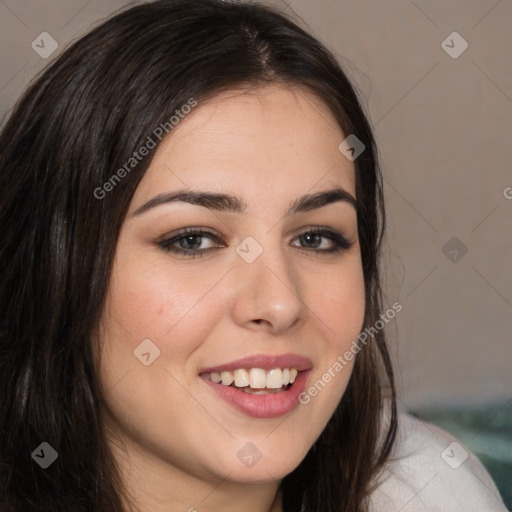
pixel 241 378
pixel 258 378
pixel 227 378
pixel 275 379
pixel 255 378
pixel 286 376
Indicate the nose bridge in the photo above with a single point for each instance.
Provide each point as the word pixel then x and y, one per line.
pixel 268 290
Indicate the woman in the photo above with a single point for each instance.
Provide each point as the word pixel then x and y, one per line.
pixel 192 214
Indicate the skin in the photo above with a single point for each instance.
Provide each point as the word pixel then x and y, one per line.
pixel 175 441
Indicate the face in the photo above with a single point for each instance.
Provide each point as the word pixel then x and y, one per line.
pixel 246 267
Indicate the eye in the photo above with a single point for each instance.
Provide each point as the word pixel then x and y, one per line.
pixel 196 242
pixel 323 240
pixel 192 242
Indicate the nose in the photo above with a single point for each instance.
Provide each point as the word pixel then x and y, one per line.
pixel 267 294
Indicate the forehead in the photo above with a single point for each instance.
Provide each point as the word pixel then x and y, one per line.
pixel 259 143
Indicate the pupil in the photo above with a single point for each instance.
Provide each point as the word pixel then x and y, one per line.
pixel 311 239
pixel 191 242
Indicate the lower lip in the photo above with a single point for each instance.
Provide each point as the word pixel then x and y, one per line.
pixel 271 405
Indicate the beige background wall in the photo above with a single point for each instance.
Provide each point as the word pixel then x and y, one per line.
pixel 444 128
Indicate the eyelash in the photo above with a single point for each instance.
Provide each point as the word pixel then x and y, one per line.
pixel 340 242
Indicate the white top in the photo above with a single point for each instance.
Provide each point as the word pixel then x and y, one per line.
pixel 431 472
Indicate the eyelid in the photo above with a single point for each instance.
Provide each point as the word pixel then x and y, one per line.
pixel 192 230
pixel 319 228
pixel 323 229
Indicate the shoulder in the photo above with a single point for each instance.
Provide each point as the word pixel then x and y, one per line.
pixel 430 471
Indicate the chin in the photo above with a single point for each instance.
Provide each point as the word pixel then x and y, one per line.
pixel 260 475
pixel 261 467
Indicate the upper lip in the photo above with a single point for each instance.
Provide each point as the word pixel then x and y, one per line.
pixel 263 361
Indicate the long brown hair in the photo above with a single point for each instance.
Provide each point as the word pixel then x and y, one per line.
pixel 78 123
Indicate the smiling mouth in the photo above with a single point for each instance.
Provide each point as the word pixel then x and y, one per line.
pixel 255 381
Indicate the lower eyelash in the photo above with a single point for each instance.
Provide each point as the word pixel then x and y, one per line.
pixel 191 253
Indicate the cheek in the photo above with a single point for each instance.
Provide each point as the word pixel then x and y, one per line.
pixel 338 299
pixel 176 313
pixel 173 309
pixel 154 301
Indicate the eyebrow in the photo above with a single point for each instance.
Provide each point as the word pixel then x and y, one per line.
pixel 231 203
